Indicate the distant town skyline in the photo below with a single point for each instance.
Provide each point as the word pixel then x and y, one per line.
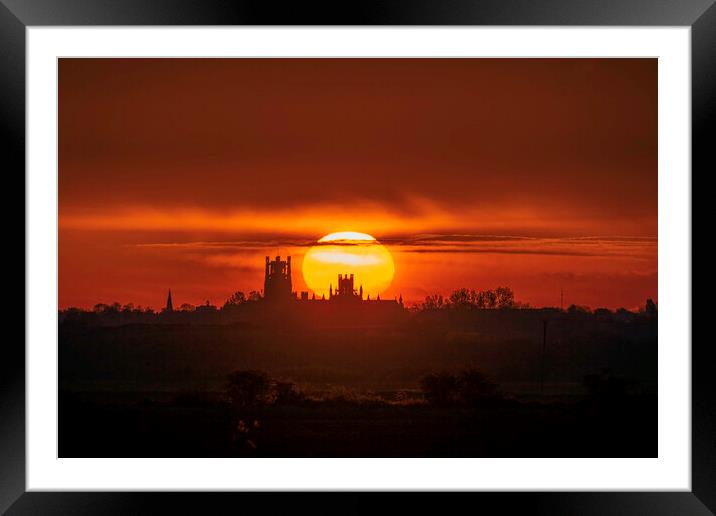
pixel 537 174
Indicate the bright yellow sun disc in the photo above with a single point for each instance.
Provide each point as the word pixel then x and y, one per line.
pixel 348 252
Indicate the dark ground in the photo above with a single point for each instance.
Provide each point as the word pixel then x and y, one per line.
pixel 144 428
pixel 152 390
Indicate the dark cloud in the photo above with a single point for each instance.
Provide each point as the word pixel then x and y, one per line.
pixel 434 243
pixel 232 133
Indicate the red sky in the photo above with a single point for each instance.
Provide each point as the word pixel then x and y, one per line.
pixel 538 174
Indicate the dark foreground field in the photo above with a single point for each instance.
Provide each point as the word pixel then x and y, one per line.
pixel 152 390
pixel 140 427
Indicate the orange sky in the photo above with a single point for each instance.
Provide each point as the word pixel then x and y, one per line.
pixel 536 174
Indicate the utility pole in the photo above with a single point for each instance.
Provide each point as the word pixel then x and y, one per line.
pixel 561 299
pixel 542 358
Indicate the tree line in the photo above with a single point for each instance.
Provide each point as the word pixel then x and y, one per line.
pixel 462 298
pixel 500 297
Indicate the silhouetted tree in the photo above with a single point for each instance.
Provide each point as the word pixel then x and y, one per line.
pixel 650 308
pixel 470 386
pixel 440 388
pixel 578 309
pixel 246 388
pixel 490 298
pixel 434 302
pixel 461 298
pixel 624 315
pixel 501 297
pixel 255 295
pixel 235 299
pixel 475 386
pixel 286 393
pixel 504 297
pixel 187 307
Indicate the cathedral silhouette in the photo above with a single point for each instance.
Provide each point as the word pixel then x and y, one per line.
pixel 278 287
pixel 344 306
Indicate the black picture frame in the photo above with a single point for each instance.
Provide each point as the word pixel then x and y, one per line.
pixel 17 15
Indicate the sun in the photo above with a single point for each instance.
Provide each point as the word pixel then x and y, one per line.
pixel 348 252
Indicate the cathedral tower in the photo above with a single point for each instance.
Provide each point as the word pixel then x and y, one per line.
pixel 277 279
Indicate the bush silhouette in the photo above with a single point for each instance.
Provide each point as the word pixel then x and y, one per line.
pixel 475 386
pixel 440 388
pixel 470 386
pixel 247 388
pixel 286 393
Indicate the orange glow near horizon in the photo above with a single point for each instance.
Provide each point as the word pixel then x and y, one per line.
pixel 348 252
pixel 536 174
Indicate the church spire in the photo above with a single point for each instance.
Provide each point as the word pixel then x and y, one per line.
pixel 170 306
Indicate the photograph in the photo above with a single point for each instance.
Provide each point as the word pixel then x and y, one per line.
pixel 357 257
